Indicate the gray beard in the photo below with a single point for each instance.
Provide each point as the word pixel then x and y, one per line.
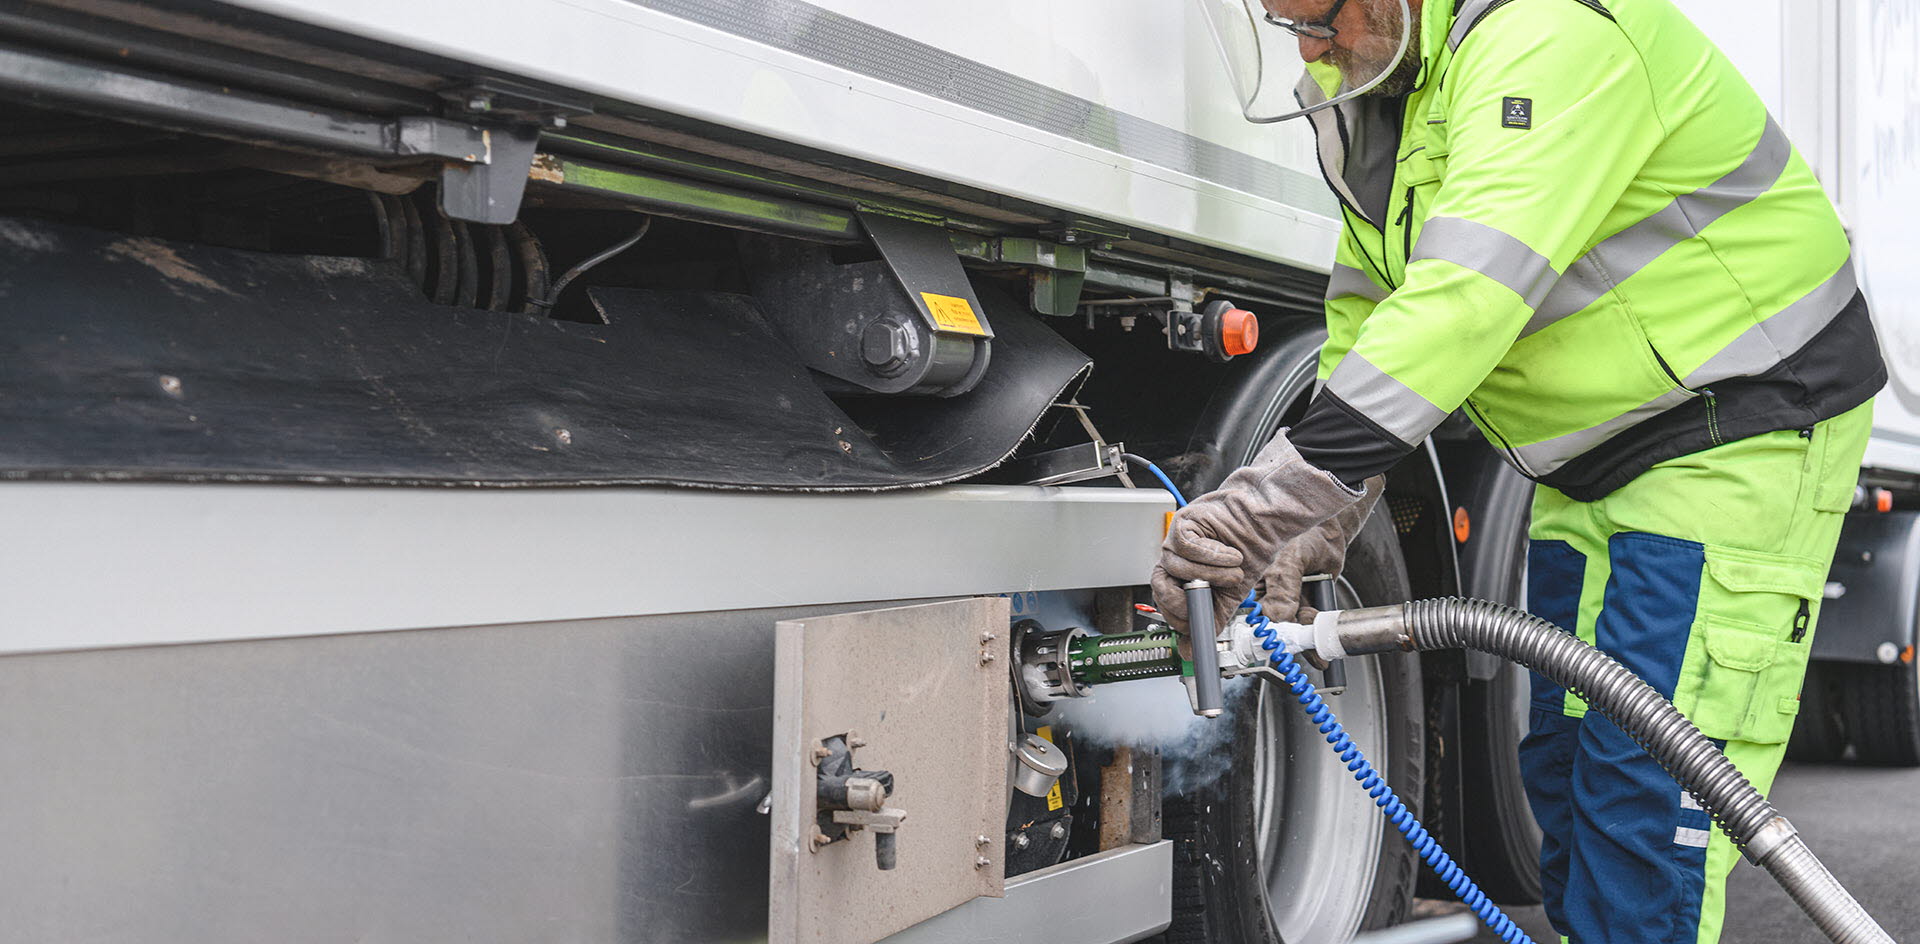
pixel 1400 80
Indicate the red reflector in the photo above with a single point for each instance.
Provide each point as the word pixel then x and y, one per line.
pixel 1462 524
pixel 1239 332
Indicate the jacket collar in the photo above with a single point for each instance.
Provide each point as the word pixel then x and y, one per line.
pixel 1436 23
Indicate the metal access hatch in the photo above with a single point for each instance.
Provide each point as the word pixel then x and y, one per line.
pixel 919 693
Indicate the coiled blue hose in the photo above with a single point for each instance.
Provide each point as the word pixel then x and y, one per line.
pixel 1383 796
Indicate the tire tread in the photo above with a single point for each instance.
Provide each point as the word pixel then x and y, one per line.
pixel 1881 704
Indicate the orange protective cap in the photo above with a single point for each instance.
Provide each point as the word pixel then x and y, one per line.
pixel 1882 500
pixel 1239 332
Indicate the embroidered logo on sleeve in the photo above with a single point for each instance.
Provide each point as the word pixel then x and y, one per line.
pixel 1516 113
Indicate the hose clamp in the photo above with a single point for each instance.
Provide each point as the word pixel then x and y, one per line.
pixel 1768 838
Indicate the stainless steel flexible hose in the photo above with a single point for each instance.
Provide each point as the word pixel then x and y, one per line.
pixel 1763 835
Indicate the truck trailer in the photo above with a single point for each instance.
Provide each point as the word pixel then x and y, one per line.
pixel 633 470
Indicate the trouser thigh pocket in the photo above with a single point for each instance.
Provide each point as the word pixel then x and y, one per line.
pixel 1751 635
pixel 1746 686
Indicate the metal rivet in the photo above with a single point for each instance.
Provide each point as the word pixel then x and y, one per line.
pixel 170 385
pixel 982 841
pixel 986 657
pixel 820 754
pixel 982 862
pixel 856 742
pixel 565 436
pixel 988 637
pixel 819 840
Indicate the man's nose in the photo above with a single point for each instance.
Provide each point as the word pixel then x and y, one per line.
pixel 1312 49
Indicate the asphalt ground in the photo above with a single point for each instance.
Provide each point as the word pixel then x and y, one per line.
pixel 1859 820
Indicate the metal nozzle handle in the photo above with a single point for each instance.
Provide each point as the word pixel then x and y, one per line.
pixel 1320 594
pixel 1207 701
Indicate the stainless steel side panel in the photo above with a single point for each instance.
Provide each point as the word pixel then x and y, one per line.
pixel 123 564
pixel 1123 894
pixel 579 782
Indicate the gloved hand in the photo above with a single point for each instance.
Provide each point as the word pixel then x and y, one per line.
pixel 1322 550
pixel 1230 537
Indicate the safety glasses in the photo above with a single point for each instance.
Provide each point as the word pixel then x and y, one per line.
pixel 1321 28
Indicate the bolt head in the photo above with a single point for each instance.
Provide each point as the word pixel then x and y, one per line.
pixel 888 347
pixel 480 103
pixel 1059 831
pixel 986 657
pixel 1020 841
pixel 981 862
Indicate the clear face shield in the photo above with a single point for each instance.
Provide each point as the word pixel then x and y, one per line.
pixel 1261 47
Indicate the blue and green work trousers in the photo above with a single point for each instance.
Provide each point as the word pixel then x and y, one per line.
pixel 1704 575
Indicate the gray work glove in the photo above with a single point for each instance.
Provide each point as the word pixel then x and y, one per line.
pixel 1322 550
pixel 1230 537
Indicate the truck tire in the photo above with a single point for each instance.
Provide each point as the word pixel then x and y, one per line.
pixel 1283 846
pixel 1500 840
pixel 1880 705
pixel 1820 730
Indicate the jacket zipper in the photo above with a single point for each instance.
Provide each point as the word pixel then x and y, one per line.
pixel 1513 458
pixel 1705 393
pixel 1800 622
pixel 1668 370
pixel 1405 222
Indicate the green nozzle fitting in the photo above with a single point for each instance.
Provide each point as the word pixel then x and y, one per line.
pixel 1124 657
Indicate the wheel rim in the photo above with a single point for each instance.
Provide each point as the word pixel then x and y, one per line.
pixel 1317 833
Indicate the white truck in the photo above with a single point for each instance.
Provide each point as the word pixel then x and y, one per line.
pixel 501 471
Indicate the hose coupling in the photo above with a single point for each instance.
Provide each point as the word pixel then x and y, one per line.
pixel 1368 629
pixel 1769 837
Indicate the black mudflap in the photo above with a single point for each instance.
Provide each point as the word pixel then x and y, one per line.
pixel 133 358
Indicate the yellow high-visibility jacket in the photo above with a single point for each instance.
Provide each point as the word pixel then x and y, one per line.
pixel 1582 227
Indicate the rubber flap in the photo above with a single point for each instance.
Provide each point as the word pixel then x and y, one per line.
pixel 138 358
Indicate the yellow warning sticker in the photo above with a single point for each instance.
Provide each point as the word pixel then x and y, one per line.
pixel 953 314
pixel 1055 799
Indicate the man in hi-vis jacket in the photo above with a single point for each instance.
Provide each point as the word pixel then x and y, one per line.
pixel 1574 220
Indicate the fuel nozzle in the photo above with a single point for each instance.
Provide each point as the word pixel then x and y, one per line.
pixel 1071 662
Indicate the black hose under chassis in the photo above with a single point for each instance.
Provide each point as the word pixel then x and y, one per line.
pixel 1763 835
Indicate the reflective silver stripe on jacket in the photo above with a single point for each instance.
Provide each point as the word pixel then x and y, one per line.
pixel 1384 400
pixel 1781 334
pixel 1488 251
pixel 1620 256
pixel 1755 351
pixel 1464 18
pixel 1543 457
pixel 1348 281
